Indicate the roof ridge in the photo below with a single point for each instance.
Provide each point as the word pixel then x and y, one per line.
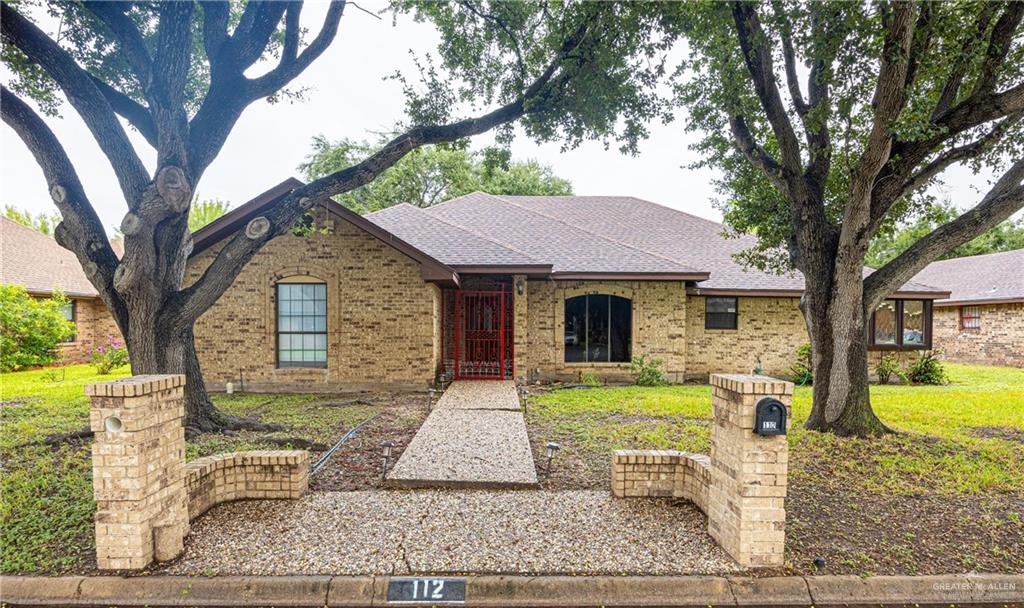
pixel 474 232
pixel 597 234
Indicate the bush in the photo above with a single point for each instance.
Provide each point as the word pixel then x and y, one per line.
pixel 590 379
pixel 647 372
pixel 110 357
pixel 803 368
pixel 889 366
pixel 927 369
pixel 30 328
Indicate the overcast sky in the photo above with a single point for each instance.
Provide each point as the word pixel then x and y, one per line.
pixel 349 97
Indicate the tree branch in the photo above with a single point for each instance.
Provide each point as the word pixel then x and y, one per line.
pixel 83 95
pixel 129 38
pixel 789 57
pixel 757 155
pixel 135 113
pixel 1004 199
pixel 951 89
pixel 998 46
pixel 81 230
pixel 215 30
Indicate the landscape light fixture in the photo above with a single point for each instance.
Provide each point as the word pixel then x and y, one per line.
pixel 552 447
pixel 385 449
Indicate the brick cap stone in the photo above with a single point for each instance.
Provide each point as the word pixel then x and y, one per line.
pixel 748 384
pixel 135 386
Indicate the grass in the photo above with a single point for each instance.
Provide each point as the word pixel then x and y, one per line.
pixel 46 505
pixel 937 450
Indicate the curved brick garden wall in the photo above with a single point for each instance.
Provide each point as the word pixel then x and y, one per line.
pixel 212 480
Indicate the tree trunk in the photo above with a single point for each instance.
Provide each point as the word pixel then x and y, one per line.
pixel 155 349
pixel 835 319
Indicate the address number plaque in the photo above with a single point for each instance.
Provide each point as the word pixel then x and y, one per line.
pixel 426 590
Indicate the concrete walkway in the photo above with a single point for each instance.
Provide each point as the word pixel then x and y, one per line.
pixel 475 437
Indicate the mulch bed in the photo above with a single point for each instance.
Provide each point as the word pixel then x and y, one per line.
pixel 356 465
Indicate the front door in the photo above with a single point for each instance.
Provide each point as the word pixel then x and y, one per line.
pixel 483 335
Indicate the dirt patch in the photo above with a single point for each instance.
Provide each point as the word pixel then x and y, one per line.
pixel 357 463
pixel 998 432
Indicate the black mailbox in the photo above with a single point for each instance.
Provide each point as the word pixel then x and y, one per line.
pixel 770 417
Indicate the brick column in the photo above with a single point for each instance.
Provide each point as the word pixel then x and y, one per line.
pixel 746 499
pixel 138 466
pixel 520 329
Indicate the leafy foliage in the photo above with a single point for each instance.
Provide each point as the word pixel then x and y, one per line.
pixel 431 174
pixel 889 365
pixel 202 213
pixel 30 328
pixel 647 371
pixel 110 356
pixel 927 369
pixel 43 221
pixel 1007 236
pixel 802 369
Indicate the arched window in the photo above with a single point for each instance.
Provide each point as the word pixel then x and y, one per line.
pixel 598 328
pixel 301 322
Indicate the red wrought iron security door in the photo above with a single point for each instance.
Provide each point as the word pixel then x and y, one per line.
pixel 483 335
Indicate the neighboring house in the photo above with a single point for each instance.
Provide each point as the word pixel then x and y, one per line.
pixel 37 262
pixel 982 321
pixel 533 288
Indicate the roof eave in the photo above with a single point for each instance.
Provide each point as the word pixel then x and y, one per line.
pixel 973 301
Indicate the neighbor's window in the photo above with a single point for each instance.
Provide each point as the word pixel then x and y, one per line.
pixel 598 328
pixel 70 312
pixel 970 319
pixel 901 324
pixel 301 325
pixel 720 313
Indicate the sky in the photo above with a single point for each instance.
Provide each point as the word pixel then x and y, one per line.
pixel 349 96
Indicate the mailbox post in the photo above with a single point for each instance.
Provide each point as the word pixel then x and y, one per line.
pixel 749 460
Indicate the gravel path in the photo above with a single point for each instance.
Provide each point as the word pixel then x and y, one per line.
pixel 452 531
pixel 464 446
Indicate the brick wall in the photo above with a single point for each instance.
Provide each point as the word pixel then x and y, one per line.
pixel 769 328
pixel 1000 341
pixel 93 324
pixel 212 480
pixel 661 474
pixel 659 323
pixel 381 315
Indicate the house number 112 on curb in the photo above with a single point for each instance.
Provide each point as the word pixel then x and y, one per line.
pixel 422 590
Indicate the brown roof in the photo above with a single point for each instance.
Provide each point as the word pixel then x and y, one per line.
pixel 584 237
pixel 994 277
pixel 36 261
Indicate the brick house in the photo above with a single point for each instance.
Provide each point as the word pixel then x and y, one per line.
pixel 38 263
pixel 482 286
pixel 982 321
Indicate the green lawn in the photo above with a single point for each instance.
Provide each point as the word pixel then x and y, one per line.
pixel 46 505
pixel 964 437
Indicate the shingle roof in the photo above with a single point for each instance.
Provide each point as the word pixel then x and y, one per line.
pixel 39 263
pixel 568 247
pixel 994 277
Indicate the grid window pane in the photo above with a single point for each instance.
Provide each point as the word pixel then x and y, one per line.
pixel 302 325
pixel 720 313
pixel 970 319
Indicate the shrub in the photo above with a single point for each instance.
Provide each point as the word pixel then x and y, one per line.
pixel 110 357
pixel 927 369
pixel 647 372
pixel 30 328
pixel 590 379
pixel 803 368
pixel 889 366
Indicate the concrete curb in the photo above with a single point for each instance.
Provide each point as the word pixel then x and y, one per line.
pixel 522 591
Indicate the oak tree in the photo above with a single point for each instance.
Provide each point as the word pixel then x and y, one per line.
pixel 181 73
pixel 828 119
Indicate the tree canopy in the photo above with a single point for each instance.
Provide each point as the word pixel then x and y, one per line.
pixel 203 212
pixel 432 174
pixel 43 221
pixel 828 120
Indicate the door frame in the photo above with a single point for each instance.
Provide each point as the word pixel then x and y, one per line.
pixel 506 329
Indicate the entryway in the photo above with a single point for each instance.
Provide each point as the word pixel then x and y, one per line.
pixel 483 334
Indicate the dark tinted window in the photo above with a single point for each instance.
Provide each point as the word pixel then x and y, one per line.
pixel 598 327
pixel 720 313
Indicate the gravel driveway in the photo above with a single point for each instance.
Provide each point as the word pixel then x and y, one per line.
pixel 452 531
